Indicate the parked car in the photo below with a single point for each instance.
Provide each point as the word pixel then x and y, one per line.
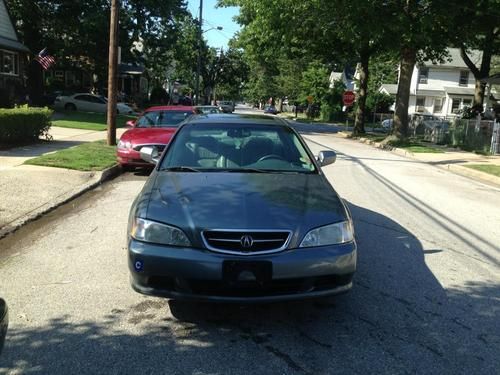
pixel 226 106
pixel 271 109
pixel 204 109
pixel 154 127
pixel 238 209
pixel 4 322
pixel 88 103
pixel 387 124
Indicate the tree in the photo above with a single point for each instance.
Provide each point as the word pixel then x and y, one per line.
pixel 480 31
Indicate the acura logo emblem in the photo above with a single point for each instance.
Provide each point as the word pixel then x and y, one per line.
pixel 246 241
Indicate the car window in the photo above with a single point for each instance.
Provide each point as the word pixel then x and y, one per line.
pixel 221 147
pixel 162 119
pixel 83 98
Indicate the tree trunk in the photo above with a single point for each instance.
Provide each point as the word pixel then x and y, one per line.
pixel 359 125
pixel 400 124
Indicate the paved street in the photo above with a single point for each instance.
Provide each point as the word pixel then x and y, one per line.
pixel 426 297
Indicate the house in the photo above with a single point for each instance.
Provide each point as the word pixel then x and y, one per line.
pixel 440 89
pixel 13 57
pixel 346 76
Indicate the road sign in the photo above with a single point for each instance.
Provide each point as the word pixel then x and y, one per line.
pixel 348 98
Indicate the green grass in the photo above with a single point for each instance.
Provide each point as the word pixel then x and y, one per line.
pixel 487 168
pixel 92 156
pixel 88 121
pixel 416 147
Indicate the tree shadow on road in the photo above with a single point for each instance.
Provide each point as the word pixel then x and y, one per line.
pixel 397 319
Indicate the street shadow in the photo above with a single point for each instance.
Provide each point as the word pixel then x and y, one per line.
pixel 397 319
pixel 39 148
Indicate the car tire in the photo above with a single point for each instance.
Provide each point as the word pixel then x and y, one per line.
pixel 127 168
pixel 70 107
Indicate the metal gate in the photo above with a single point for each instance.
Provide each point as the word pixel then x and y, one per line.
pixel 495 138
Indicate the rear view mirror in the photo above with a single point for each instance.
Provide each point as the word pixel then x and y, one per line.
pixel 326 157
pixel 130 123
pixel 4 322
pixel 150 154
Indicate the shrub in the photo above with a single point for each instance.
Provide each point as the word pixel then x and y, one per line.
pixel 24 124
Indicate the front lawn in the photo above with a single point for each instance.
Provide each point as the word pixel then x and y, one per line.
pixel 92 156
pixel 88 121
pixel 415 147
pixel 487 168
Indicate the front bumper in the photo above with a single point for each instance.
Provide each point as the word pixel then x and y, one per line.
pixel 130 157
pixel 198 274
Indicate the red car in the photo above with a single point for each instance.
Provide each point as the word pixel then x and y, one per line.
pixel 154 127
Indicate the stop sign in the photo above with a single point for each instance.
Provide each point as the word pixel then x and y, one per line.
pixel 348 98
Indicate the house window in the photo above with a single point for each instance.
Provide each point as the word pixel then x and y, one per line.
pixel 467 103
pixel 438 105
pixel 464 78
pixel 9 63
pixel 59 75
pixel 420 105
pixel 455 105
pixel 423 75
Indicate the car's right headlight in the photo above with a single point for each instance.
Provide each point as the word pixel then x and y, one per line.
pixel 152 231
pixel 124 145
pixel 332 234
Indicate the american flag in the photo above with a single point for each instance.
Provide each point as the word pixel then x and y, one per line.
pixel 45 59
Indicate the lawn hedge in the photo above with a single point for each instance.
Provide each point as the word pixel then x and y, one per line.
pixel 24 124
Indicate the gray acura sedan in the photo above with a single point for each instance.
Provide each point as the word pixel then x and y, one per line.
pixel 237 209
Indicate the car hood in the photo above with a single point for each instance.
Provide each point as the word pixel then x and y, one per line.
pixel 225 200
pixel 148 135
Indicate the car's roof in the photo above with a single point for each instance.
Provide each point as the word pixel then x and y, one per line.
pixel 240 119
pixel 187 108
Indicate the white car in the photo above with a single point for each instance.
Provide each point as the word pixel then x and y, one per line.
pixel 387 124
pixel 88 103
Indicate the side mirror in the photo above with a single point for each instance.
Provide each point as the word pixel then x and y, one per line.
pixel 4 322
pixel 130 123
pixel 326 157
pixel 150 154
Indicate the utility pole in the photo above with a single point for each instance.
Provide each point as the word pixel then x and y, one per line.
pixel 198 66
pixel 112 73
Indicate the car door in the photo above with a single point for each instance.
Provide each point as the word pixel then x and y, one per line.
pixel 83 103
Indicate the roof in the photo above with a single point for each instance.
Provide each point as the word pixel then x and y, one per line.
pixel 180 108
pixel 234 118
pixel 455 59
pixel 391 89
pixel 8 36
pixel 459 90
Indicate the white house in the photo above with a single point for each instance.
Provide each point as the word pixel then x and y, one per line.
pixel 345 76
pixel 440 89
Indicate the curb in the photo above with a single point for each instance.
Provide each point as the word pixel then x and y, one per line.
pixel 454 168
pixel 98 179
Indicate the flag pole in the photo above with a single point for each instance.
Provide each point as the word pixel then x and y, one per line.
pixel 112 70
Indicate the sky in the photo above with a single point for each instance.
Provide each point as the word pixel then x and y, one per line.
pixel 213 17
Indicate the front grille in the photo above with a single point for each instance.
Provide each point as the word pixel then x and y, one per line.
pixel 159 147
pixel 246 242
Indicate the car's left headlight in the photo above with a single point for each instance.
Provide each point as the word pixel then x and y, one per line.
pixel 151 231
pixel 329 235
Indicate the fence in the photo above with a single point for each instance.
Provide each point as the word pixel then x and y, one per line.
pixel 472 135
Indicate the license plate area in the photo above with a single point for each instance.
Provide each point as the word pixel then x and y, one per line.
pixel 242 273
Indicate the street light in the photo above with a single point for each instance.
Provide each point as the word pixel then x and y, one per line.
pixel 198 67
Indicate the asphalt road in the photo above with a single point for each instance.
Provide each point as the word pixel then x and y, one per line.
pixel 426 297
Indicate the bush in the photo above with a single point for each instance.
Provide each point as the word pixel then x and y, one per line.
pixel 24 124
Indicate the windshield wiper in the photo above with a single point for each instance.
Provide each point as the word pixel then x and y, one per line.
pixel 180 169
pixel 243 170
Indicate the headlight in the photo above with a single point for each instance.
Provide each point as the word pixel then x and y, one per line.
pixel 125 145
pixel 151 231
pixel 329 235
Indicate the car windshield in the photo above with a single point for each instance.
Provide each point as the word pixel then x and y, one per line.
pixel 162 119
pixel 237 148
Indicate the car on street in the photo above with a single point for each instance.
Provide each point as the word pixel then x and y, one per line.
pixel 154 127
pixel 4 322
pixel 226 106
pixel 238 209
pixel 86 102
pixel 387 124
pixel 205 109
pixel 271 109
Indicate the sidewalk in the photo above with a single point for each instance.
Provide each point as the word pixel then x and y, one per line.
pixel 450 159
pixel 27 192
